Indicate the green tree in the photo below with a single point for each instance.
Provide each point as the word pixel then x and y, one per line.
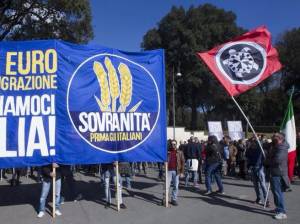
pixel 46 19
pixel 182 33
pixel 289 52
pixel 288 46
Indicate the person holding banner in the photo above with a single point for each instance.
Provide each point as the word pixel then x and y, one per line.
pixel 108 172
pixel 213 164
pixel 47 175
pixel 175 169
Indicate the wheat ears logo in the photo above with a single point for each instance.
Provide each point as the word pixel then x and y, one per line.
pixel 110 93
pixel 113 103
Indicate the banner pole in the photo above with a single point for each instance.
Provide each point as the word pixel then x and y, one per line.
pixel 248 122
pixel 13 176
pixel 1 174
pixel 166 186
pixel 266 199
pixel 53 191
pixel 117 186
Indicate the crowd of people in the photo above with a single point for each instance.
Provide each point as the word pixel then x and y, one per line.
pixel 194 162
pixel 259 159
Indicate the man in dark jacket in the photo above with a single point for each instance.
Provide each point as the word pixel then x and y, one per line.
pixel 255 160
pixel 192 154
pixel 213 164
pixel 277 164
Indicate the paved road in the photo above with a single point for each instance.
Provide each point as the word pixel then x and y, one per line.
pixel 18 204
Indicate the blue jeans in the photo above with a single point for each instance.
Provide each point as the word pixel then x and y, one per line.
pixel 174 177
pixel 45 192
pixel 213 169
pixel 106 177
pixel 187 177
pixel 127 179
pixel 259 182
pixel 277 193
pixel 189 172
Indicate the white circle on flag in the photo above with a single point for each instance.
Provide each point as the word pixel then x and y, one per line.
pixel 242 62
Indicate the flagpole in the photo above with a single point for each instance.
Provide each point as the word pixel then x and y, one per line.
pixel 117 186
pixel 53 190
pixel 166 186
pixel 266 199
pixel 252 129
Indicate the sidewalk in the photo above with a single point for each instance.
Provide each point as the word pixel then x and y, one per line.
pixel 18 204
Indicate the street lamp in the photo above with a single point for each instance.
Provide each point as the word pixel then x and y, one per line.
pixel 178 74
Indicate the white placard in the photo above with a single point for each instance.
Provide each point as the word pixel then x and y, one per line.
pixel 235 130
pixel 215 128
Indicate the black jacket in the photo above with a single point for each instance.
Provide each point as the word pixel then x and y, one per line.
pixel 254 156
pixel 46 170
pixel 66 171
pixel 213 151
pixel 277 159
pixel 241 155
pixel 192 151
pixel 107 167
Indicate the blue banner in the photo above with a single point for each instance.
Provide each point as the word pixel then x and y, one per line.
pixel 80 104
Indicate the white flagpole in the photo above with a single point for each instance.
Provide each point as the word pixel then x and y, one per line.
pixel 117 186
pixel 252 129
pixel 53 191
pixel 266 199
pixel 260 146
pixel 166 186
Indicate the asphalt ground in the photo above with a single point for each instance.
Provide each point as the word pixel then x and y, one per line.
pixel 19 204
